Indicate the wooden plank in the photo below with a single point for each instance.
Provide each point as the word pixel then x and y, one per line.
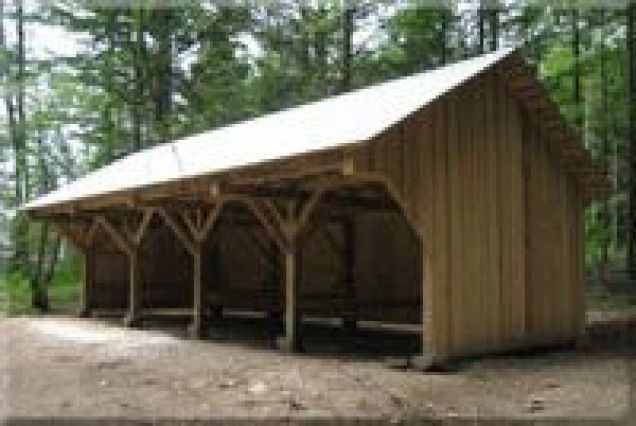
pixel 115 235
pixel 134 288
pixel 565 282
pixel 476 323
pixel 516 223
pixel 455 150
pixel 271 220
pixel 409 160
pixel 440 297
pixel 545 245
pixel 140 232
pixel 165 312
pixel 291 341
pixel 178 231
pixel 529 157
pixel 427 177
pixel 579 320
pixel 483 311
pixel 493 201
pixel 423 200
pixel 198 294
pixel 504 143
pixel 396 165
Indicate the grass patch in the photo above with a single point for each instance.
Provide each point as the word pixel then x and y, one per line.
pixel 15 290
pixel 15 294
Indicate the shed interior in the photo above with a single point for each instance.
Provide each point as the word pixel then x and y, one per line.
pixel 359 267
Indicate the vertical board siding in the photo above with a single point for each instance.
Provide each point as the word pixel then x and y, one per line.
pixel 440 244
pixel 513 201
pixel 555 304
pixel 499 218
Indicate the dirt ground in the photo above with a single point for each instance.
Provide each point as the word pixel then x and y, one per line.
pixel 91 369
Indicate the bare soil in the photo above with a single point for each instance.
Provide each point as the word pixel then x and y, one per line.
pixel 90 369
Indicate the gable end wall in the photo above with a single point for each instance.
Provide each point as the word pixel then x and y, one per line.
pixel 499 219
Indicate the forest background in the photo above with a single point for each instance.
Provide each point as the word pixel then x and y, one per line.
pixel 83 83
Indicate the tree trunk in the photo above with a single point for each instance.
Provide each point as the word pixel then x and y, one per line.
pixel 605 151
pixel 109 121
pixel 481 24
pixel 138 102
pixel 347 41
pixel 39 296
pixel 50 271
pixel 631 51
pixel 38 281
pixel 494 26
pixel 576 53
pixel 163 85
pixel 18 124
pixel 443 54
pixel 20 103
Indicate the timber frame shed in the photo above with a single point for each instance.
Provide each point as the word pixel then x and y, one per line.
pixel 451 199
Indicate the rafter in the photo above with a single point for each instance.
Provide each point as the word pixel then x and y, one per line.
pixel 116 236
pixel 179 233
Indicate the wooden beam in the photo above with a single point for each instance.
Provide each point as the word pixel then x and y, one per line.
pixel 129 244
pixel 272 227
pixel 90 236
pixel 116 236
pixel 134 289
pixel 179 233
pixel 308 207
pixel 291 341
pixel 140 232
pixel 192 227
pixel 77 237
pixel 198 294
pixel 210 221
pixel 165 312
pixel 193 239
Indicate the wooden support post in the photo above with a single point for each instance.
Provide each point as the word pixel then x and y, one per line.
pixel 291 341
pixel 427 359
pixel 196 330
pixel 193 237
pixel 134 287
pixel 349 320
pixel 86 293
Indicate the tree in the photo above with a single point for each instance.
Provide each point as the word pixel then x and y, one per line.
pixel 347 46
pixel 631 156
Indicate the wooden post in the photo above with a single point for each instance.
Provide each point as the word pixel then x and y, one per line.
pixel 291 341
pixel 134 284
pixel 196 331
pixel 193 237
pixel 428 357
pixel 87 284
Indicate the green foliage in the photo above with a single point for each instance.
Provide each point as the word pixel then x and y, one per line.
pixel 15 290
pixel 148 75
pixel 15 294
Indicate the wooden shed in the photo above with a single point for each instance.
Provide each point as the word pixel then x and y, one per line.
pixel 451 199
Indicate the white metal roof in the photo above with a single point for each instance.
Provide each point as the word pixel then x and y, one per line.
pixel 350 118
